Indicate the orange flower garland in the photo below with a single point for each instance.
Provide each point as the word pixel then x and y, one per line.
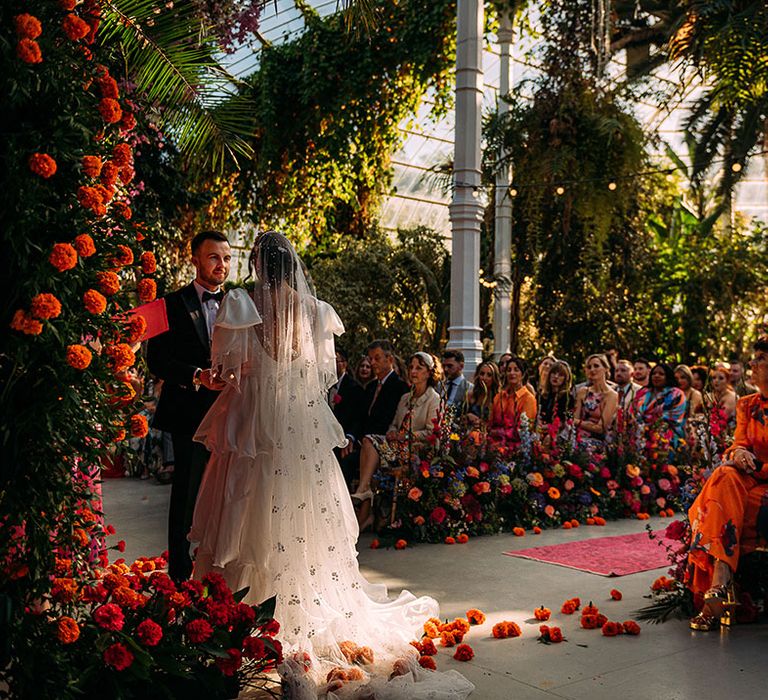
pixel 27 26
pixel 24 323
pixel 43 165
pixel 121 356
pixel 79 356
pixel 75 28
pixel 45 306
pixel 67 630
pixel 28 51
pixel 84 245
pixel 148 262
pixel 110 110
pixel 139 426
pixel 95 302
pixel 63 256
pixel 92 166
pixel 108 282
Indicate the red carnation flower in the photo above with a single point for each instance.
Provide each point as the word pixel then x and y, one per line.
pixel 463 653
pixel 118 657
pixel 198 631
pixel 149 633
pixel 253 648
pixel 109 617
pixel 230 665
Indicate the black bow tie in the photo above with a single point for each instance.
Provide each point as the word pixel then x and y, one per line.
pixel 217 296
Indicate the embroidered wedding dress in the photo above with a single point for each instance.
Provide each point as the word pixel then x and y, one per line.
pixel 273 511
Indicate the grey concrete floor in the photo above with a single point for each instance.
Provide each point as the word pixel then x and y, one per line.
pixel 666 661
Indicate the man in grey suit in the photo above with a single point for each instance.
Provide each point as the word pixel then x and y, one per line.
pixel 456 387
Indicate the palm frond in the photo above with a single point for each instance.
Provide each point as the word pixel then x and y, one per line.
pixel 172 59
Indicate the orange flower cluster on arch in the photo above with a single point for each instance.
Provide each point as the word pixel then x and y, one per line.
pixel 114 276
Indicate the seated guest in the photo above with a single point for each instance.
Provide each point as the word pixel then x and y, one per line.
pixel 700 376
pixel 364 372
pixel 641 371
pixel 485 386
pixel 345 398
pixel 723 397
pixel 543 372
pixel 625 387
pixel 662 400
pixel 503 364
pixel 739 379
pixel 511 403
pixel 717 516
pixel 694 400
pixel 556 398
pixel 596 404
pixel 379 403
pixel 413 423
pixel 455 387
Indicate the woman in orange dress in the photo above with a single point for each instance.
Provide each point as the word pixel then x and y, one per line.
pixel 510 405
pixel 720 531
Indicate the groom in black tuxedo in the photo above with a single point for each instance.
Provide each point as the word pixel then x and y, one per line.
pixel 181 357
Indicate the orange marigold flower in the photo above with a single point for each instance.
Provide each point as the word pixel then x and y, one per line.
pixel 505 629
pixel 121 356
pixel 553 493
pixel 568 608
pixel 128 122
pixel 122 155
pixel 375 544
pixel 590 609
pixel 536 530
pixel 67 630
pixel 74 27
pixel 42 164
pixel 555 635
pixel 136 327
pixel 28 51
pixel 589 621
pixel 147 289
pixel 428 647
pixel 447 639
pixel 110 110
pixel 27 26
pixel 450 540
pixel 400 544
pixel 427 662
pixel 90 198
pixel 590 521
pixel 108 86
pixel 574 523
pixel 148 262
pixel 610 629
pixel 431 629
pixel 139 426
pixel 45 306
pixel 123 210
pixel 475 616
pixel 464 653
pixel 615 594
pixel 463 538
pixel 67 5
pixel 542 614
pixel 123 256
pixel 518 531
pixel 84 245
pixel 631 627
pixel 600 522
pixel 92 166
pixel 79 356
pixel 95 302
pixel 63 256
pixel 109 174
pixel 64 590
pixel 567 525
pixel 126 174
pixel 108 282
pixel 24 323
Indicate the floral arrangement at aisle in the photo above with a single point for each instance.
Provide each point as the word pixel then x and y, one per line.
pixel 76 262
pixel 464 484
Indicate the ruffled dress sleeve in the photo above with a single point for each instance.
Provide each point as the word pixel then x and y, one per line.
pixel 232 345
pixel 327 325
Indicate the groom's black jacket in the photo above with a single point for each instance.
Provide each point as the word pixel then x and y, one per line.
pixel 174 356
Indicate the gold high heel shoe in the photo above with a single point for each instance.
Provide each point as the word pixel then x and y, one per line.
pixel 725 596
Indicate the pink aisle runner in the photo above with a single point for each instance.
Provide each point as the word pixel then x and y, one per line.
pixel 606 556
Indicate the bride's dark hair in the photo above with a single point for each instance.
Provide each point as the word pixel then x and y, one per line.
pixel 272 260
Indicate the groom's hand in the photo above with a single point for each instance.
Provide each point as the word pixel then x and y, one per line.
pixel 211 382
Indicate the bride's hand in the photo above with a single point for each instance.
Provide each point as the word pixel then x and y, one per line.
pixel 210 382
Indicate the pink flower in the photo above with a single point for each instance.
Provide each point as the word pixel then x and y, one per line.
pixel 661 502
pixel 438 515
pixel 549 511
pixel 415 493
pixel 605 473
pixel 664 484
pixel 612 484
pixel 645 489
pixel 337 399
pixel 568 485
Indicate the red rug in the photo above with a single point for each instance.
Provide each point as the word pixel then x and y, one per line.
pixel 607 556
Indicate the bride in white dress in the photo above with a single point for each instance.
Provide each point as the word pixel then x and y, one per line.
pixel 273 512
